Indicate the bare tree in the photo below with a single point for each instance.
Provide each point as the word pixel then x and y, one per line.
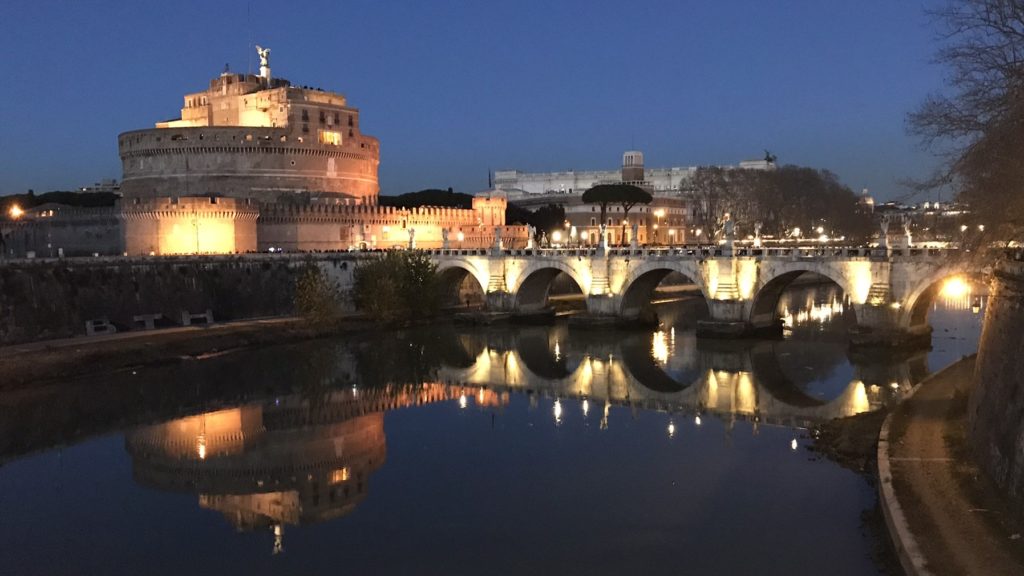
pixel 977 125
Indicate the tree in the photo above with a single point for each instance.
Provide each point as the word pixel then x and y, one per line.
pixel 316 299
pixel 977 125
pixel 625 195
pixel 781 199
pixel 398 286
pixel 429 197
pixel 713 196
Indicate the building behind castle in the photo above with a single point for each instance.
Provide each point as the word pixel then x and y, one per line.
pixel 665 221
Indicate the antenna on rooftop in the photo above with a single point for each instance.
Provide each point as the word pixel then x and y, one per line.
pixel 248 25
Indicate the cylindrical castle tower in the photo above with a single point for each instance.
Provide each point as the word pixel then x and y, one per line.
pixel 254 137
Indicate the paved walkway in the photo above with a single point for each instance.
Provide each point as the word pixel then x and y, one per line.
pixel 943 520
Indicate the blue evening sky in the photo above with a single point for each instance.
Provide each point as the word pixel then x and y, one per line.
pixel 453 88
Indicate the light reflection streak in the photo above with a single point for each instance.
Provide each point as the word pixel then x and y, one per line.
pixel 813 312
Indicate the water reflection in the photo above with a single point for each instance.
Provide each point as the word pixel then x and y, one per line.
pixel 753 380
pixel 502 440
pixel 286 461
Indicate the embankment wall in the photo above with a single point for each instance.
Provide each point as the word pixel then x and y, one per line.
pixel 54 298
pixel 996 409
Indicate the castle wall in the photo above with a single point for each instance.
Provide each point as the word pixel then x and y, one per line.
pixel 247 162
pixel 167 226
pixel 320 227
pixel 67 231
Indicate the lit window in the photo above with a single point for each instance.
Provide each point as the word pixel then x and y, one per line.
pixel 330 137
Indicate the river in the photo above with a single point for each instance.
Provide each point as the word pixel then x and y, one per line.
pixel 457 450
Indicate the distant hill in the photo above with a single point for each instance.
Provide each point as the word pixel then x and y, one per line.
pixel 547 217
pixel 79 199
pixel 430 197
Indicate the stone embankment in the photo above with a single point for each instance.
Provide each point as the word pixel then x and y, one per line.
pixel 61 298
pixel 39 363
pixel 996 410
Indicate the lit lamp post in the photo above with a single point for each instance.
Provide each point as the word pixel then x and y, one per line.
pixel 697 233
pixel 671 237
pixel 14 214
pixel 658 214
pixel 556 238
pixel 460 236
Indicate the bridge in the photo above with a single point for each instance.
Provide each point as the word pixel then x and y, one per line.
pixel 889 289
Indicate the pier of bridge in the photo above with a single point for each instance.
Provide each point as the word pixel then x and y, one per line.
pixel 890 290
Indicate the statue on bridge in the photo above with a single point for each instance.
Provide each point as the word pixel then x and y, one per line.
pixel 728 231
pixel 412 238
pixel 444 238
pixel 531 236
pixel 633 240
pixel 497 237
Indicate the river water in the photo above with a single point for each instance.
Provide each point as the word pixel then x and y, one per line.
pixel 454 450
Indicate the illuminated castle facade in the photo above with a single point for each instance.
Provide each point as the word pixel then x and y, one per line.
pixel 254 163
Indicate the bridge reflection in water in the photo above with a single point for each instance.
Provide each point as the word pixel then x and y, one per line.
pixel 308 456
pixel 671 371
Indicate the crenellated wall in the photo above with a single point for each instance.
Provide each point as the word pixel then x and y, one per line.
pixel 319 227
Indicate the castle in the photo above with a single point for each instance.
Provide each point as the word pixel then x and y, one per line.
pixel 254 163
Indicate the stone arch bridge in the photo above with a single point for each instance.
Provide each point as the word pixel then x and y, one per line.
pixel 890 290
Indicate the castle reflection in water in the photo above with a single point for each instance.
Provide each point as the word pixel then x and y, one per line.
pixel 308 456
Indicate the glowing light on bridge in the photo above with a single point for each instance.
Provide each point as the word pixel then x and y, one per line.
pixel 15 212
pixel 955 287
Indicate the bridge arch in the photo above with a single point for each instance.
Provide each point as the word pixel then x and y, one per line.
pixel 532 286
pixel 915 306
pixel 765 302
pixel 641 282
pixel 458 276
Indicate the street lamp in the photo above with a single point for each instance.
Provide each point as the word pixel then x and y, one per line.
pixel 14 213
pixel 659 214
pixel 460 236
pixel 556 237
pixel 697 233
pixel 671 237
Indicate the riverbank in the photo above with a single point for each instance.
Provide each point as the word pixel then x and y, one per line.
pixel 943 513
pixel 41 362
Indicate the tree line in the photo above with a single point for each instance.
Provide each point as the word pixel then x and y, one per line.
pixel 781 200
